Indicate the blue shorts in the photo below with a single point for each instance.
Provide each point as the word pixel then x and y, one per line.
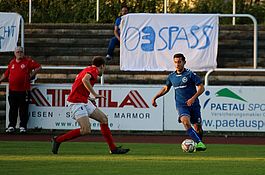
pixel 194 112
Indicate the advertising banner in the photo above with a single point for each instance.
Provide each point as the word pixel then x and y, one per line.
pixel 224 108
pixel 127 107
pixel 9 31
pixel 149 41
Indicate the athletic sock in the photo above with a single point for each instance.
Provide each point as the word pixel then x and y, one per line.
pixel 200 134
pixel 104 128
pixel 68 136
pixel 199 130
pixel 193 134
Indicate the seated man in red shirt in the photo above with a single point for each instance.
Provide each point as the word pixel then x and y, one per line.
pixel 19 73
pixel 82 109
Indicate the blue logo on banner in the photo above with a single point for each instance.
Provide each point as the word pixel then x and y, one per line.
pixel 6 32
pixel 146 37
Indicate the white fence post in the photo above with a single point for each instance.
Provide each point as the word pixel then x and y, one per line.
pixel 30 3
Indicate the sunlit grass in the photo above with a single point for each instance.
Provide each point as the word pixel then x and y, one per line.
pixel 156 159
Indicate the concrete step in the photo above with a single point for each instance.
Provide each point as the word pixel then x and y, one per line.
pixel 75 31
pixel 2 103
pixel 2 116
pixel 114 75
pixel 65 51
pixel 62 42
pixel 70 44
pixel 240 34
pixel 95 42
pixel 69 26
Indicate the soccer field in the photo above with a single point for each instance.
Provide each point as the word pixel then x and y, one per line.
pixel 78 158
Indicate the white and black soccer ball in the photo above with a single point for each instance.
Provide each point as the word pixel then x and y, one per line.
pixel 188 146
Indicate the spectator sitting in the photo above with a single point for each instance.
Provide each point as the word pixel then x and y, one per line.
pixel 116 39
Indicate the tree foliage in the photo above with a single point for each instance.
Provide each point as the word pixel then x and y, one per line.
pixel 84 11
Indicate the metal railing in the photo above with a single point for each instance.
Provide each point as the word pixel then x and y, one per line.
pixel 255 50
pixel 63 68
pixel 206 78
pixel 166 3
pixel 255 31
pixel 255 34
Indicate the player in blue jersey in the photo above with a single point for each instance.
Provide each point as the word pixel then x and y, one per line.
pixel 188 87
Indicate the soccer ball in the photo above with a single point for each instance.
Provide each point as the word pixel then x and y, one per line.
pixel 188 146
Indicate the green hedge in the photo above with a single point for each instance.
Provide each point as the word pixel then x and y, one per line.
pixel 84 11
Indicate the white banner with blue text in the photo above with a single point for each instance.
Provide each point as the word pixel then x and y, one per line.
pixel 149 41
pixel 9 31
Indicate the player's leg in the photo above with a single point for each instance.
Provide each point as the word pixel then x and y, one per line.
pixel 185 120
pixel 80 114
pixel 185 113
pixel 99 116
pixel 112 44
pixel 198 129
pixel 196 120
pixel 23 112
pixel 13 111
pixel 85 128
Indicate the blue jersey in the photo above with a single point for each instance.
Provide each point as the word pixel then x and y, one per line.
pixel 117 23
pixel 184 85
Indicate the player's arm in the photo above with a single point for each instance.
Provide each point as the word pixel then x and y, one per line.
pixel 34 72
pixel 200 90
pixel 2 78
pixel 162 92
pixel 116 33
pixel 89 87
pixel 5 74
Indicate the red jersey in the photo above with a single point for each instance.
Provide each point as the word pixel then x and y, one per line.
pixel 79 93
pixel 18 73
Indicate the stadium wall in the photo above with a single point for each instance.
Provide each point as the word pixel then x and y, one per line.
pixel 76 44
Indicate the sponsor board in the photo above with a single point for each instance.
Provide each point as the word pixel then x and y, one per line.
pixel 127 107
pixel 225 108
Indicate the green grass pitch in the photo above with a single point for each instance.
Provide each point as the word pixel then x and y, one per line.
pixel 85 158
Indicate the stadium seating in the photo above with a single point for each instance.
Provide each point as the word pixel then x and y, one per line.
pixel 76 44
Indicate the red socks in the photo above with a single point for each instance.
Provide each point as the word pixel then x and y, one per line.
pixel 76 133
pixel 107 135
pixel 68 136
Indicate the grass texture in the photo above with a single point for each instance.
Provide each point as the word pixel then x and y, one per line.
pixel 89 158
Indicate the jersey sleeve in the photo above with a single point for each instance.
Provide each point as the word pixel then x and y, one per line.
pixel 118 21
pixel 168 82
pixel 33 64
pixel 93 73
pixel 6 73
pixel 196 79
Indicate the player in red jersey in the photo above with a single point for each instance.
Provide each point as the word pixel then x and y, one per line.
pixel 21 69
pixel 82 108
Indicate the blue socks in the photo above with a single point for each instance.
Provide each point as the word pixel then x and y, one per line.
pixel 193 134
